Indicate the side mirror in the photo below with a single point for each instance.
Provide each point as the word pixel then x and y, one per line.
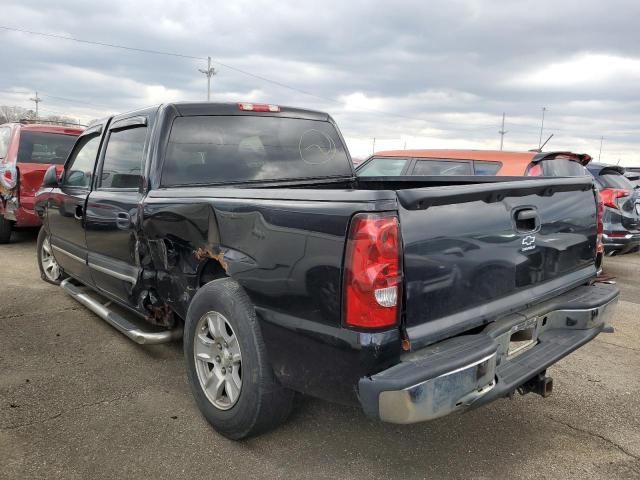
pixel 50 179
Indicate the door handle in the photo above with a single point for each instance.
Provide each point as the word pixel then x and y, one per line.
pixel 77 213
pixel 123 220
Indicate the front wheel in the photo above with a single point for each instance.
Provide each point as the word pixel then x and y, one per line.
pixel 230 376
pixel 50 271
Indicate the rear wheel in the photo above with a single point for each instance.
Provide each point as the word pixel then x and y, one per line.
pixel 230 376
pixel 5 230
pixel 50 271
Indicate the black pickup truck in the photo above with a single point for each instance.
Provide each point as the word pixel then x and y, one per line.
pixel 244 229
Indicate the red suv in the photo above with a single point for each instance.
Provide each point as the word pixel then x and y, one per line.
pixel 27 150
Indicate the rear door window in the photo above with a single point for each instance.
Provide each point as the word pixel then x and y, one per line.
pixel 44 147
pixel 5 137
pixel 383 167
pixel 123 159
pixel 443 167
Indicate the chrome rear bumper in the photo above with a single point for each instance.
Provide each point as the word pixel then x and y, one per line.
pixel 472 370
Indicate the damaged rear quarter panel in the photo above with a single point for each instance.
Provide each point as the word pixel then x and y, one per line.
pixel 274 249
pixel 286 254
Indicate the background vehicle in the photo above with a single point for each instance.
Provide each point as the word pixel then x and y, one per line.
pixel 27 150
pixel 621 200
pixel 244 228
pixel 473 162
pixel 633 176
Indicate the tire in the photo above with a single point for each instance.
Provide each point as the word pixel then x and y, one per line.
pixel 50 271
pixel 5 230
pixel 219 313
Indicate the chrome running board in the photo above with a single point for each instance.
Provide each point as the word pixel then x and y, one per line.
pixel 107 311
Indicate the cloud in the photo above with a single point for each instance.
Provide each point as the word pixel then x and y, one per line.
pixel 431 74
pixel 582 71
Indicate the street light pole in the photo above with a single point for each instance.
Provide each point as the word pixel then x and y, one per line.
pixel 544 109
pixel 600 152
pixel 502 132
pixel 209 72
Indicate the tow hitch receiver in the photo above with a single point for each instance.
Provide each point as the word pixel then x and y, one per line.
pixel 540 384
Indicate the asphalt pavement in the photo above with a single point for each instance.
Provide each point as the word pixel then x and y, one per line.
pixel 79 400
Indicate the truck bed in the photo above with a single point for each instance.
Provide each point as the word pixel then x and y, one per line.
pixel 465 260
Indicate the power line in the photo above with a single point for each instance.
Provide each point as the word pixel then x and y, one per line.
pixel 193 57
pixel 244 72
pixel 63 99
pixel 71 100
pixel 161 52
pixel 102 44
pixel 437 124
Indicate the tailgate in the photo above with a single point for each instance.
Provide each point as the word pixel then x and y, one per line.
pixel 475 252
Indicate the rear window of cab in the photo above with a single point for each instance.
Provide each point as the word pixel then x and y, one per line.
pixel 226 149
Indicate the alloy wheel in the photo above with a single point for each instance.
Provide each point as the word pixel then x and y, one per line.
pixel 50 266
pixel 218 360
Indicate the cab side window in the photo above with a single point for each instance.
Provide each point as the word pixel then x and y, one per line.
pixel 79 169
pixel 123 159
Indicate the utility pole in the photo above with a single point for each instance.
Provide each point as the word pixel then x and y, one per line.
pixel 374 145
pixel 37 100
pixel 209 72
pixel 544 109
pixel 600 152
pixel 502 131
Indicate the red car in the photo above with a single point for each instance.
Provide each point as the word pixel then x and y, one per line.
pixel 27 150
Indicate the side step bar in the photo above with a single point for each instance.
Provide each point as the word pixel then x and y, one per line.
pixel 105 311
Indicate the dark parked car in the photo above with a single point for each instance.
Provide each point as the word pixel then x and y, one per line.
pixel 244 229
pixel 621 201
pixel 27 150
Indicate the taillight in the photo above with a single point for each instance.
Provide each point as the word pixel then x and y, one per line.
pixel 600 226
pixel 534 171
pixel 610 195
pixel 9 177
pixel 373 272
pixel 258 107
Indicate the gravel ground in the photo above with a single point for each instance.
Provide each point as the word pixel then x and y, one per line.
pixel 79 400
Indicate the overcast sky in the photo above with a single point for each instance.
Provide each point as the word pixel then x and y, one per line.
pixel 434 74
